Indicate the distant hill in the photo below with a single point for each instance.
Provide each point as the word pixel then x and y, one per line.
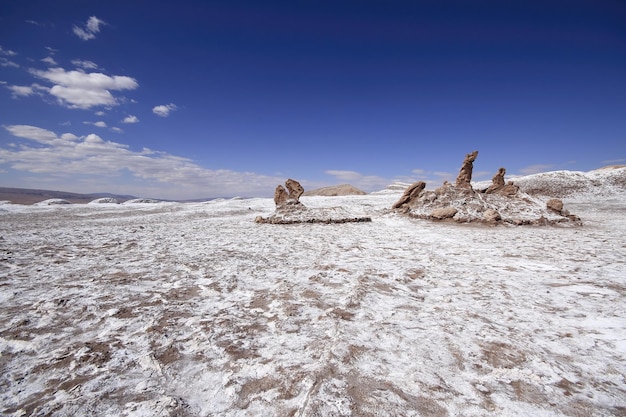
pixel 601 182
pixel 335 190
pixel 29 196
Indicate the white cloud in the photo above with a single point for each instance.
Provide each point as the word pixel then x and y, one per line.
pixel 78 89
pixel 97 124
pixel 49 60
pixel 363 182
pixel 117 130
pixel 7 52
pixel 130 119
pixel 535 169
pixel 90 29
pixel 68 158
pixel 164 110
pixel 21 90
pixel 88 65
pixel 18 91
pixel 7 63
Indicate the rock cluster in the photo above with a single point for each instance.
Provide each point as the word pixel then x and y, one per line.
pixel 289 209
pixel 501 202
pixel 289 198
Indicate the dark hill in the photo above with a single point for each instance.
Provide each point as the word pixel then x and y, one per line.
pixel 30 196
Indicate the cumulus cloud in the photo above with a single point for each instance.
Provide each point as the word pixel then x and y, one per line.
pixel 535 169
pixel 68 157
pixel 90 29
pixel 130 119
pixel 164 110
pixel 78 89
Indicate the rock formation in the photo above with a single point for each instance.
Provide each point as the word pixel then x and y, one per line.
pixel 410 194
pixel 502 202
pixel 464 178
pixel 288 199
pixel 498 185
pixel 289 209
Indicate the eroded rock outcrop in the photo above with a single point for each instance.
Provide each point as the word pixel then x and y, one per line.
pixel 411 193
pixel 289 209
pixel 464 179
pixel 288 198
pixel 498 185
pixel 502 202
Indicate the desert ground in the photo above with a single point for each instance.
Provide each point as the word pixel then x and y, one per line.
pixel 193 309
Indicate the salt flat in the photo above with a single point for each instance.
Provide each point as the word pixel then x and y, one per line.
pixel 195 310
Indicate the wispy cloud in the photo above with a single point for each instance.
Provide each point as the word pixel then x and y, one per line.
pixel 18 91
pixel 78 89
pixel 88 65
pixel 90 29
pixel 97 124
pixel 49 60
pixel 535 169
pixel 6 62
pixel 67 157
pixel 164 110
pixel 7 52
pixel 130 119
pixel 361 181
pixel 614 161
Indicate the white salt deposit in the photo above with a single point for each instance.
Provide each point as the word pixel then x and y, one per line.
pixel 195 310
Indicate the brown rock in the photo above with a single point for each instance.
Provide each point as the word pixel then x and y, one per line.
pixel 464 178
pixel 283 199
pixel 555 205
pixel 491 215
pixel 497 182
pixel 280 196
pixel 443 213
pixel 295 189
pixel 410 194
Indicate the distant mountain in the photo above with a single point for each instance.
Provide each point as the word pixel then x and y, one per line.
pixel 335 190
pixel 30 196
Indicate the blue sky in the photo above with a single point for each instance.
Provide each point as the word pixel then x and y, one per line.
pixel 194 99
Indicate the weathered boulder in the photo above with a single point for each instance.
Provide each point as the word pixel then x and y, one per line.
pixel 464 178
pixel 443 213
pixel 555 205
pixel 491 215
pixel 410 194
